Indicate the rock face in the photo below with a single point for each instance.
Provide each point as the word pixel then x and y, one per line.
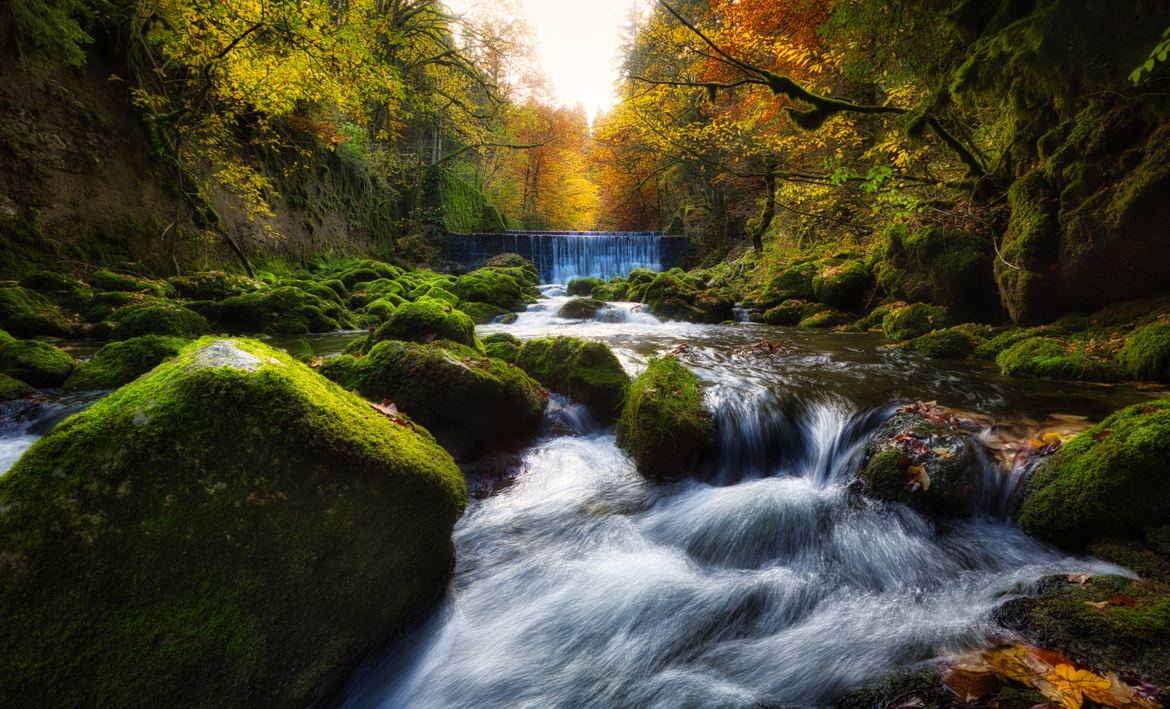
pixel 1111 480
pixel 927 459
pixel 471 402
pixel 230 530
pixel 665 426
pixel 586 371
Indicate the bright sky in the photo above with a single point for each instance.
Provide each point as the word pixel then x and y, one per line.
pixel 578 43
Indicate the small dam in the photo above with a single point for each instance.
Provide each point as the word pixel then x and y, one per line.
pixel 561 256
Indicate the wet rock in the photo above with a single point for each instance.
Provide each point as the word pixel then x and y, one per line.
pixel 581 309
pixel 904 323
pixel 26 313
pixel 586 371
pixel 583 286
pixel 122 362
pixel 34 362
pixel 157 318
pixel 665 425
pixel 232 521
pixel 927 458
pixel 427 320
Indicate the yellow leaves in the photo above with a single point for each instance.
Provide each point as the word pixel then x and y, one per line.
pixel 1060 680
pixel 919 478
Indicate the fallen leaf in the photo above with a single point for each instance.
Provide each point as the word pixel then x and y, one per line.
pixel 1102 435
pixel 971 685
pixel 1069 685
pixel 944 453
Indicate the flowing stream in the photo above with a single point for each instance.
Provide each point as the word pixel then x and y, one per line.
pixel 583 585
pixel 579 584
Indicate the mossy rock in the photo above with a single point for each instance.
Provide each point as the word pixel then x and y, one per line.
pixel 157 318
pixel 379 311
pixel 665 425
pixel 61 288
pixel 1055 359
pixel 472 403
pixel 26 313
pixel 212 285
pixel 284 310
pixel 824 318
pixel 232 521
pixel 502 346
pixel 482 313
pixel 790 312
pixel 581 309
pixel 1111 480
pixel 1003 340
pixel 427 320
pixel 14 388
pixel 1146 353
pixel 120 363
pixel 913 321
pixel 946 267
pixel 587 371
pixel 610 292
pixel 109 281
pixel 511 260
pixel 583 286
pixel 34 362
pixel 495 286
pixel 844 286
pixel 794 282
pixel 932 467
pixel 953 343
pixel 437 292
pixel 920 688
pixel 1029 251
pixel 363 272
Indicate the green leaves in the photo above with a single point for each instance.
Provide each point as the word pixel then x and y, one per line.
pixel 1159 54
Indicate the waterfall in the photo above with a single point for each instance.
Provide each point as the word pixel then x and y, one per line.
pixel 562 256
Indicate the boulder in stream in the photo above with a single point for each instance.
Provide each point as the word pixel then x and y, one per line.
pixel 665 425
pixel 586 371
pixel 231 530
pixel 581 309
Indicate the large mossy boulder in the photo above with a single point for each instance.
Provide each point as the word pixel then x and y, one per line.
pixel 213 285
pixel 427 320
pixel 232 523
pixel 1055 358
pixel 14 388
pixel 581 309
pixel 910 321
pixel 927 459
pixel 104 280
pixel 122 362
pixel 158 317
pixel 946 267
pixel 1111 480
pixel 843 283
pixel 794 282
pixel 583 286
pixel 513 260
pixel 585 370
pixel 26 313
pixel 34 362
pixel 1146 353
pixel 472 403
pixel 285 310
pixel 501 287
pixel 665 426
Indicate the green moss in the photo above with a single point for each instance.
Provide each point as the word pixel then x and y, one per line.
pixel 844 286
pixel 510 260
pixel 946 267
pixel 825 318
pixel 26 313
pixel 495 286
pixel 481 313
pixel 472 403
pixel 157 318
pixel 232 521
pixel 427 320
pixel 120 363
pixel 363 272
pixel 664 425
pixel 1108 481
pixel 36 363
pixel 110 281
pixel 437 293
pixel 463 209
pixel 942 344
pixel 212 285
pixel 993 346
pixel 586 371
pixel 285 310
pixel 796 281
pixel 584 286
pixel 915 687
pixel 1055 359
pixel 61 288
pixel 913 321
pixel 790 312
pixel 379 312
pixel 1146 353
pixel 581 309
pixel 357 345
pixel 14 388
pixel 1030 247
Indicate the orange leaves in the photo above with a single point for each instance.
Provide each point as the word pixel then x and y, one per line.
pixel 977 676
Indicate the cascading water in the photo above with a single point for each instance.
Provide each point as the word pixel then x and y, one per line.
pixel 774 583
pixel 562 256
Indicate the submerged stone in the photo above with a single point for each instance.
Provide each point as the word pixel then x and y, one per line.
pixel 231 529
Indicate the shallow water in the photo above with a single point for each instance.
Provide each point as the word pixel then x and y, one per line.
pixel 583 585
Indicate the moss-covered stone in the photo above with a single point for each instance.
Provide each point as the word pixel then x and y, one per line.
pixel 158 317
pixel 378 312
pixel 585 370
pixel 233 521
pixel 511 260
pixel 946 267
pixel 284 310
pixel 496 286
pixel 920 688
pixel 581 309
pixel 824 318
pixel 26 313
pixel 437 292
pixel 583 286
pixel 363 272
pixel 957 342
pixel 1055 359
pixel 794 282
pixel 1028 252
pixel 790 312
pixel 913 321
pixel 472 403
pixel 34 362
pixel 844 285
pixel 665 425
pixel 1111 480
pixel 427 320
pixel 213 285
pixel 1146 353
pixel 14 388
pixel 1003 340
pixel 930 463
pixel 120 363
pixel 62 289
pixel 109 281
pixel 482 313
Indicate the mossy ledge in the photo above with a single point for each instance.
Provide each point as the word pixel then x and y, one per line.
pixel 232 521
pixel 665 426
